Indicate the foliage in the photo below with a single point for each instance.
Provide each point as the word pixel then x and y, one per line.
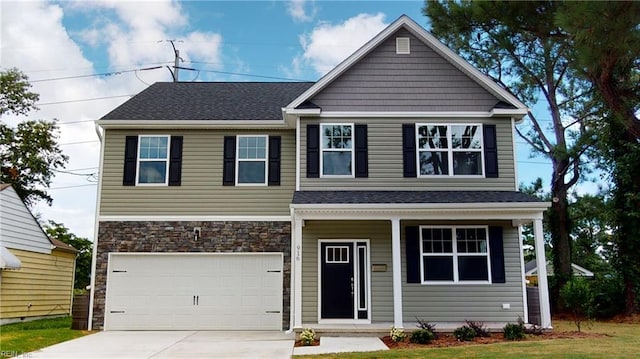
pixel 533 328
pixel 514 331
pixel 464 333
pixel 423 324
pixel 307 336
pixel 608 295
pixel 15 96
pixel 397 334
pixel 578 299
pixel 422 336
pixel 83 261
pixel 478 327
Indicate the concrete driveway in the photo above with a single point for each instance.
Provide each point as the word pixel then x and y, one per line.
pixel 178 344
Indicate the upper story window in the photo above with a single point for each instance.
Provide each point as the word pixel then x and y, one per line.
pixel 153 159
pixel 454 254
pixel 449 150
pixel 252 160
pixel 336 146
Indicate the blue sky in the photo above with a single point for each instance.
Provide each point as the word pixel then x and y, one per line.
pixel 65 47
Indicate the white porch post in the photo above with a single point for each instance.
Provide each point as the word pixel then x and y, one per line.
pixel 296 270
pixel 543 287
pixel 397 273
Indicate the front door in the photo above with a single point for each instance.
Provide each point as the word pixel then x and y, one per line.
pixel 344 280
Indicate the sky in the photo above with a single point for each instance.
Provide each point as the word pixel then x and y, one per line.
pixel 85 58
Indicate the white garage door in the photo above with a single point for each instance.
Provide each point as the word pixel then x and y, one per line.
pixel 194 291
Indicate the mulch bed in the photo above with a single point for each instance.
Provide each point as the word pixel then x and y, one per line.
pixel 315 343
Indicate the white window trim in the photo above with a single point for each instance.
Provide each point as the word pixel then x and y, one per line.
pixel 138 160
pixel 266 160
pixel 352 149
pixel 450 150
pixel 400 50
pixel 455 256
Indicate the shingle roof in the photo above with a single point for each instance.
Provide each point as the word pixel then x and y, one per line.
pixel 415 197
pixel 210 101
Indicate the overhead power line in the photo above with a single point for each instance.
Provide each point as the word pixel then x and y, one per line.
pixel 83 100
pixel 112 73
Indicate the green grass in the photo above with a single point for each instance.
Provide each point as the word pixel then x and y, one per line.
pixel 621 341
pixel 20 338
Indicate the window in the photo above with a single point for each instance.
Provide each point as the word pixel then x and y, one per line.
pixel 153 160
pixel 337 150
pixel 449 150
pixel 454 254
pixel 252 160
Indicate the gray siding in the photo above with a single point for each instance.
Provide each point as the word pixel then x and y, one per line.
pixel 18 228
pixel 385 160
pixel 201 192
pixel 419 81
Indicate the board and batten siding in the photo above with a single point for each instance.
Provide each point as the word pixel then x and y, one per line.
pixel 420 81
pixel 379 235
pixel 457 303
pixel 45 281
pixel 201 191
pixel 385 159
pixel 18 227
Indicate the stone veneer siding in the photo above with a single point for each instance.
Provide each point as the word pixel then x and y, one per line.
pixel 177 236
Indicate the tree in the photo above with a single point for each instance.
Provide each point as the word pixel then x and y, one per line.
pixel 83 261
pixel 29 153
pixel 519 45
pixel 606 51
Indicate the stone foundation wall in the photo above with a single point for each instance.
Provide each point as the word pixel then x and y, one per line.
pixel 175 236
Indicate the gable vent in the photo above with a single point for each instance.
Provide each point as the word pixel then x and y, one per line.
pixel 403 46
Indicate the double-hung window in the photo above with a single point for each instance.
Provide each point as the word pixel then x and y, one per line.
pixel 454 254
pixel 449 150
pixel 153 160
pixel 336 145
pixel 252 160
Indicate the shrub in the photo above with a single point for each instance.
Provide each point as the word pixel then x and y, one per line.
pixel 422 336
pixel 578 299
pixel 479 327
pixel 307 336
pixel 514 331
pixel 423 324
pixel 464 333
pixel 608 296
pixel 397 335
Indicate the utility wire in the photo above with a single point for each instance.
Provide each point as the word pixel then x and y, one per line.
pixel 83 100
pixel 112 73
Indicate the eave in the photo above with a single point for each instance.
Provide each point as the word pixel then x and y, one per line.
pixel 192 124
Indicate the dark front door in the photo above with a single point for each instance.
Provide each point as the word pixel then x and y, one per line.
pixel 337 280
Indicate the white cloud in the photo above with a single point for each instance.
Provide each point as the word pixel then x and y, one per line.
pixel 298 10
pixel 327 44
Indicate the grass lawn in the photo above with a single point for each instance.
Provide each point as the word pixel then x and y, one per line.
pixel 621 341
pixel 20 338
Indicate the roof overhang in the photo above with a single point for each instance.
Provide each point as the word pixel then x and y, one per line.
pixel 8 260
pixel 191 124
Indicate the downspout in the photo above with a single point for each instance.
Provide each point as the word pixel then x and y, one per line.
pixel 95 229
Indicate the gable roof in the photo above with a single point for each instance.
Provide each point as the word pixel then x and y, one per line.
pixel 509 104
pixel 410 197
pixel 531 269
pixel 209 101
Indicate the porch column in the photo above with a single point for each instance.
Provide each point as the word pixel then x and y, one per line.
pixel 397 273
pixel 543 287
pixel 296 270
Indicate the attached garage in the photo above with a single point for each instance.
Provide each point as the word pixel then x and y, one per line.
pixel 194 291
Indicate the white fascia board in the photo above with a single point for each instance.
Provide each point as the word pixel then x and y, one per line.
pixel 435 114
pixel 193 218
pixel 425 206
pixel 190 124
pixel 303 112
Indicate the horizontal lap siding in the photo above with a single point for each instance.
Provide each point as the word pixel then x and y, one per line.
pixel 45 281
pixel 419 81
pixel 379 234
pixel 446 303
pixel 201 192
pixel 18 227
pixel 385 160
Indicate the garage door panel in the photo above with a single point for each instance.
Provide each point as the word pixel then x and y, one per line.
pixel 194 292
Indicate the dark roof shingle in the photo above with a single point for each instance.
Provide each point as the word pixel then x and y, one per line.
pixel 415 197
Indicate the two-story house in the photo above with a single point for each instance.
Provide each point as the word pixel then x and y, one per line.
pixel 382 193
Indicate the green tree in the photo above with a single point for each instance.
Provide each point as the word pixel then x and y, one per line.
pixel 83 261
pixel 519 45
pixel 29 153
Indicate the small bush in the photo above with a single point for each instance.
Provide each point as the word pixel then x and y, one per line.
pixel 479 327
pixel 422 336
pixel 514 331
pixel 464 333
pixel 397 335
pixel 578 299
pixel 423 324
pixel 307 336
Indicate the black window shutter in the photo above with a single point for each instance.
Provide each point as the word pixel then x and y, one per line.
pixel 130 161
pixel 409 150
pixel 313 151
pixel 175 161
pixel 274 160
pixel 412 252
pixel 362 151
pixel 496 247
pixel 229 158
pixel 490 151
